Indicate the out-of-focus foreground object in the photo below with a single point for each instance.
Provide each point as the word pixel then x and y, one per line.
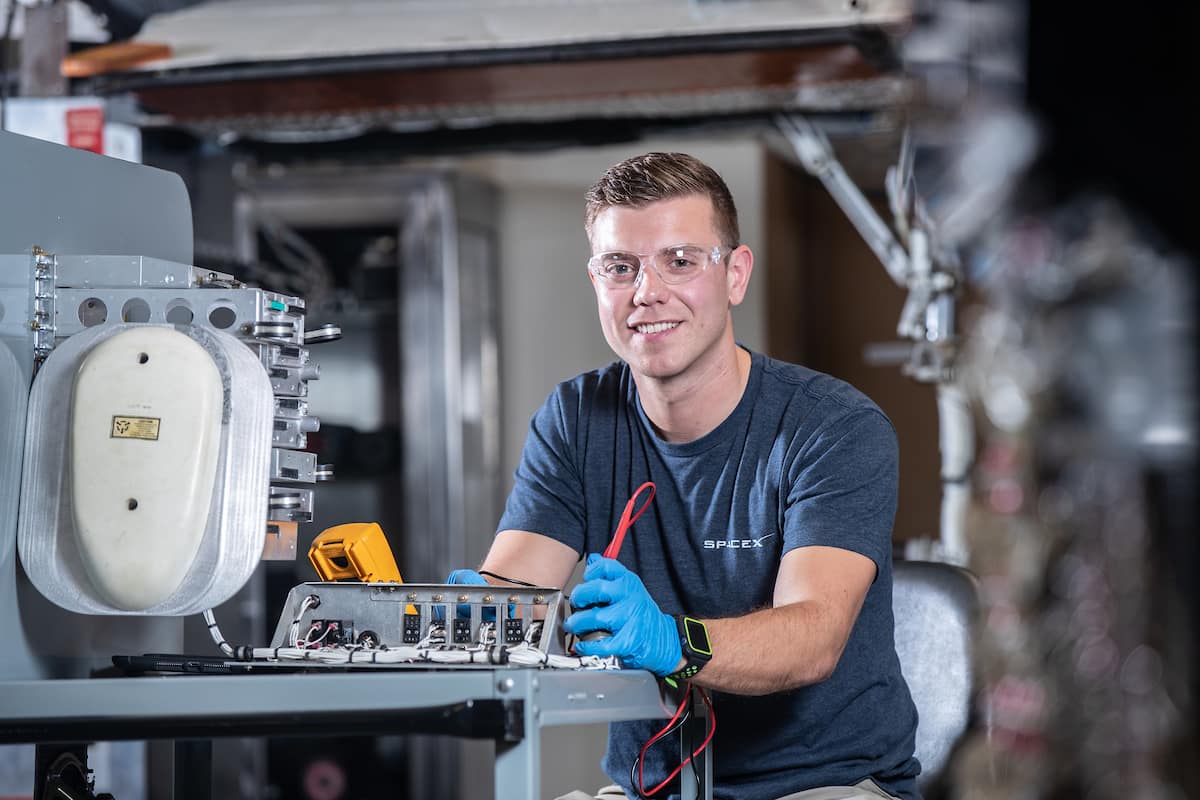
pixel 1078 363
pixel 113 58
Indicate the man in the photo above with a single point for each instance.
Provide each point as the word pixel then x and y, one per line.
pixel 776 491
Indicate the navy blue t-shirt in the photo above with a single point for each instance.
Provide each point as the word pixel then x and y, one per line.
pixel 804 459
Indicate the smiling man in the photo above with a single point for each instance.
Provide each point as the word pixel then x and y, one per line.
pixel 762 569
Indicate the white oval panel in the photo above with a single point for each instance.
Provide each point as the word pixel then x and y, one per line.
pixel 145 438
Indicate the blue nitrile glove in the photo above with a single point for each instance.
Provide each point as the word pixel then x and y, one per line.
pixel 468 577
pixel 642 635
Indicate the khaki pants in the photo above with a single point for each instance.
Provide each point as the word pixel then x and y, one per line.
pixel 863 790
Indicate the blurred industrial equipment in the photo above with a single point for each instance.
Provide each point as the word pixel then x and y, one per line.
pixel 1078 360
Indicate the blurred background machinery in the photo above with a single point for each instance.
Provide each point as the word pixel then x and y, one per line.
pixel 1059 178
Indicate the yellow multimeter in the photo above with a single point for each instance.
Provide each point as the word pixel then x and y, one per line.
pixel 356 550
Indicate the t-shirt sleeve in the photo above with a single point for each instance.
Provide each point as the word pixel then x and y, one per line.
pixel 547 495
pixel 842 485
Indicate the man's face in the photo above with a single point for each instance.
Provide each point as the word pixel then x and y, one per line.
pixel 664 330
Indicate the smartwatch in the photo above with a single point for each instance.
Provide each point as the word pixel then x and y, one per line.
pixel 693 641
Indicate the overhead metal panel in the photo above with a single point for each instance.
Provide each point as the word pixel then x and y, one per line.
pixel 266 69
pixel 249 31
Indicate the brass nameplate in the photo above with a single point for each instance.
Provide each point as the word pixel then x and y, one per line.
pixel 135 428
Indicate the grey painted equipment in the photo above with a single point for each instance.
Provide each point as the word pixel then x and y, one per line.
pixel 96 249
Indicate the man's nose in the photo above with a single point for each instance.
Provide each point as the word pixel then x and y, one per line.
pixel 649 286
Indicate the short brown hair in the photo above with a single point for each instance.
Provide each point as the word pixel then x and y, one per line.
pixel 645 179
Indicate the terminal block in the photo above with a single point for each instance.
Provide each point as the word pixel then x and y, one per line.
pixel 423 615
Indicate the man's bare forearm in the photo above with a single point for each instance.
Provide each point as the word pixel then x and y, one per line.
pixel 772 650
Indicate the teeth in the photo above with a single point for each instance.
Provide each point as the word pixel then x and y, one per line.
pixel 656 327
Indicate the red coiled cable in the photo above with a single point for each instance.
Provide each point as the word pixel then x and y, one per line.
pixel 628 517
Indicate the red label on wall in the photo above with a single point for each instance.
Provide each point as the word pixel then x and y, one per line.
pixel 85 129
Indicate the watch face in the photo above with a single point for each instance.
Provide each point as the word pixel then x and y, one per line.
pixel 697 636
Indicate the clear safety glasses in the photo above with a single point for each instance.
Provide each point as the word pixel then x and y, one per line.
pixel 676 264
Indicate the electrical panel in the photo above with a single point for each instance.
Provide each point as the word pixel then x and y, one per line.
pixel 433 624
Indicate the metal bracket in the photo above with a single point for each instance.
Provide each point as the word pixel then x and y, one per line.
pixel 928 272
pixel 42 317
pixel 816 154
pixel 69 293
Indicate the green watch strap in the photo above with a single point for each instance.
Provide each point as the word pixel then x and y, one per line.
pixel 694 645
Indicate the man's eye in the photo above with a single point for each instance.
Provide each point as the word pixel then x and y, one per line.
pixel 682 259
pixel 683 262
pixel 619 268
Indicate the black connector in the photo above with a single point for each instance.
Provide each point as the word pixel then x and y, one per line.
pixel 412 629
pixel 329 633
pixel 514 631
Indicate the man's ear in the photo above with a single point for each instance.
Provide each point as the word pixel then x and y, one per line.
pixel 737 273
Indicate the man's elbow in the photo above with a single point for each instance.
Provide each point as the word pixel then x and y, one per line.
pixel 815 669
pixel 814 672
pixel 822 669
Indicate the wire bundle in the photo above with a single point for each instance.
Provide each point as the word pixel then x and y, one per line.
pixel 431 649
pixel 523 655
pixel 682 714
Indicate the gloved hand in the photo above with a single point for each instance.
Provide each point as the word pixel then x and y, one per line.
pixel 467 577
pixel 642 635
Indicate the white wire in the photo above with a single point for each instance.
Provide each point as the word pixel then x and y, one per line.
pixel 525 654
pixel 215 633
pixel 310 601
pixel 436 635
pixel 521 655
pixel 313 642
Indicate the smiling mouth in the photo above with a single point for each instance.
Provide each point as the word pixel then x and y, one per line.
pixel 656 327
